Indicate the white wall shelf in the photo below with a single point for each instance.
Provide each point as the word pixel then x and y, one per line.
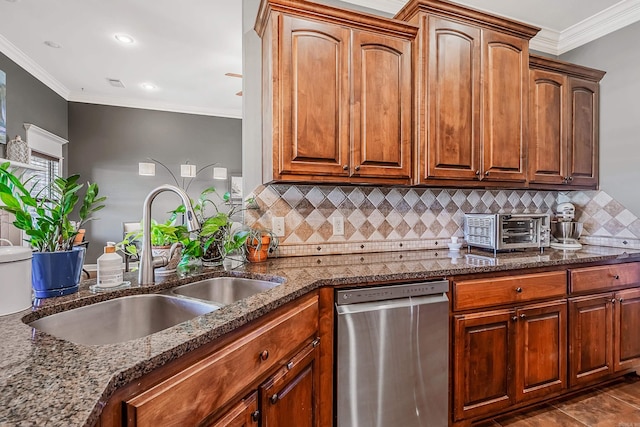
pixel 21 165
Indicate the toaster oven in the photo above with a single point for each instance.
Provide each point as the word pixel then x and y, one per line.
pixel 500 232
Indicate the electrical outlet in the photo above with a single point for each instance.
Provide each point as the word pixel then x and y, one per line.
pixel 277 226
pixel 338 226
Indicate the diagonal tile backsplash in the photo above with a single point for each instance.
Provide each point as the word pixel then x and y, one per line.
pixel 380 218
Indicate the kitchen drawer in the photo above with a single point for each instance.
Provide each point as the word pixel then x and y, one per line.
pixel 192 394
pixel 604 277
pixel 468 294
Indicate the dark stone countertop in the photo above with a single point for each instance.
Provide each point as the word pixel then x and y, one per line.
pixel 46 381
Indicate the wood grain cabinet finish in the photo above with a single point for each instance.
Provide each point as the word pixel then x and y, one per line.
pixel 604 277
pixel 243 414
pixel 626 351
pixel 563 148
pixel 472 95
pixel 337 94
pixel 193 394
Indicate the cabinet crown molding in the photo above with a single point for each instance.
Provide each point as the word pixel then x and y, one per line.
pixel 455 11
pixel 573 70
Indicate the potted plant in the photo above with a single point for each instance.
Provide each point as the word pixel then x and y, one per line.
pixel 44 218
pixel 216 238
pixel 166 240
pixel 260 243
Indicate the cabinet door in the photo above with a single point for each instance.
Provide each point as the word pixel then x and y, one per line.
pixel 506 92
pixel 290 397
pixel 243 414
pixel 590 338
pixel 484 353
pixel 541 350
pixel 583 137
pixel 315 98
pixel 451 148
pixel 381 81
pixel 548 145
pixel 627 326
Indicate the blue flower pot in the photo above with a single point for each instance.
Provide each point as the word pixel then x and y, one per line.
pixel 54 274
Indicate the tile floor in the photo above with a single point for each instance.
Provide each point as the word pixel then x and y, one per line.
pixel 614 405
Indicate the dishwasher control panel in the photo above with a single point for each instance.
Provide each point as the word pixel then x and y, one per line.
pixel 381 293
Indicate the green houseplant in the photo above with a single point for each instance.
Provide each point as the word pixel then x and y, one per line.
pixel 44 217
pixel 260 243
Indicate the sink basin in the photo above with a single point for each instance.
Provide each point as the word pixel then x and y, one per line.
pixel 223 290
pixel 121 319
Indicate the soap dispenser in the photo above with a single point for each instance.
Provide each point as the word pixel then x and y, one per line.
pixel 109 267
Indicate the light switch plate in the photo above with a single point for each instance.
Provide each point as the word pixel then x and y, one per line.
pixel 338 226
pixel 277 226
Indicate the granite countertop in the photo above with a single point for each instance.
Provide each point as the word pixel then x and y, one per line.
pixel 46 381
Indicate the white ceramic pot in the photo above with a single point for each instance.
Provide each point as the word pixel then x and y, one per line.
pixel 15 286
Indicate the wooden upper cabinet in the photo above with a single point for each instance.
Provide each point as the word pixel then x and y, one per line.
pixel 563 148
pixel 505 84
pixel 472 95
pixel 583 137
pixel 337 94
pixel 382 105
pixel 451 145
pixel 315 98
pixel 548 128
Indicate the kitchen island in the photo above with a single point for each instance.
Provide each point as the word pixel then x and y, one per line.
pixel 48 381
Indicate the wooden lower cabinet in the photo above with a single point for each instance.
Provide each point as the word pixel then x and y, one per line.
pixel 504 357
pixel 243 414
pixel 626 351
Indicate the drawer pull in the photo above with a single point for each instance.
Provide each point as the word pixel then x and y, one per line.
pixel 264 355
pixel 519 290
pixel 620 300
pixel 345 167
pixel 290 365
pixel 255 416
pixel 616 277
pixel 315 342
pixel 514 318
pixel 523 316
pixel 274 399
pixel 613 300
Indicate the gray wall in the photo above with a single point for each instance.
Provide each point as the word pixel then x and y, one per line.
pixel 106 143
pixel 31 101
pixel 617 54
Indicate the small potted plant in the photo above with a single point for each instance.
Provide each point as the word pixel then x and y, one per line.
pixel 44 218
pixel 260 243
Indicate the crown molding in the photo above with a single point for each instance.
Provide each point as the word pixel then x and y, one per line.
pixel 32 67
pixel 152 105
pixel 609 20
pixel 546 41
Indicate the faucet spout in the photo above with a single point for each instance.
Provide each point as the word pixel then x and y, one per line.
pixel 147 261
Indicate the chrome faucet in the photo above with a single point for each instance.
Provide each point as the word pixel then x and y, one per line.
pixel 148 263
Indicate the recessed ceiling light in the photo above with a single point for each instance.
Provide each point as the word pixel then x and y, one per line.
pixel 53 44
pixel 124 38
pixel 148 86
pixel 115 82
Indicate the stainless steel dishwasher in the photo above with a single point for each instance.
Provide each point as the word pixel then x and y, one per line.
pixel 393 355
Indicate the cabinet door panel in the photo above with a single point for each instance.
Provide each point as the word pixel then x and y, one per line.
pixel 590 338
pixel 242 414
pixel 483 357
pixel 506 87
pixel 315 97
pixel 453 101
pixel 382 106
pixel 541 346
pixel 547 161
pixel 627 329
pixel 290 397
pixel 583 141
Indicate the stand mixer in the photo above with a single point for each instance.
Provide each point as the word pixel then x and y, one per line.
pixel 565 230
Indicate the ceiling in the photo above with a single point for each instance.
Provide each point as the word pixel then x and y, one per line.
pixel 185 48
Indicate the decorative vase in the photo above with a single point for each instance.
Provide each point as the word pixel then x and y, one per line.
pixel 215 253
pixel 55 274
pixel 18 150
pixel 255 254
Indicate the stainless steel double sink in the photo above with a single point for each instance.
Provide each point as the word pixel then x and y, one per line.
pixel 136 316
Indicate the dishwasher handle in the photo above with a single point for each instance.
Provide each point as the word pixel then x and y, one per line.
pixel 391 292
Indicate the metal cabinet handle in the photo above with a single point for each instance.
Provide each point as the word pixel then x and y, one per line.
pixel 620 300
pixel 274 398
pixel 264 355
pixel 570 178
pixel 255 416
pixel 477 172
pixel 616 277
pixel 519 290
pixel 613 300
pixel 345 167
pixel 514 318
pixel 523 316
pixel 357 168
pixel 486 173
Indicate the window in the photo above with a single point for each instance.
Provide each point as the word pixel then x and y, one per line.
pixel 48 170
